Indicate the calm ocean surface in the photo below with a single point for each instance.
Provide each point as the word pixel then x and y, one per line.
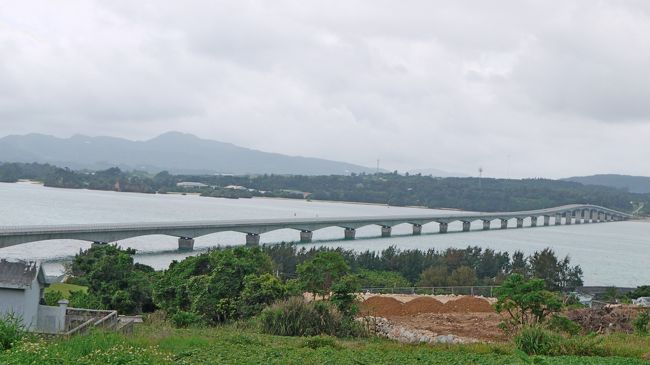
pixel 610 254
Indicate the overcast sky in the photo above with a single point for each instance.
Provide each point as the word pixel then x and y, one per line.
pixel 520 88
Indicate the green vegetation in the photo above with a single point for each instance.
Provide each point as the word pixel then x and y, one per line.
pixel 157 343
pixel 114 281
pixel 526 302
pixel 11 331
pixel 384 188
pixel 65 288
pixel 641 323
pixel 459 267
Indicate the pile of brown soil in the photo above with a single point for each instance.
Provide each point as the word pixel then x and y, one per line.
pixel 604 320
pixel 381 306
pixel 468 305
pixel 423 305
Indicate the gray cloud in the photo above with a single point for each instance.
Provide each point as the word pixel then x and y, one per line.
pixel 521 88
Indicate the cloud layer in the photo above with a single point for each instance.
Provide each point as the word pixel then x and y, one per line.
pixel 520 88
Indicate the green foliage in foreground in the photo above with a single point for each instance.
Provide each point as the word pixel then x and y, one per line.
pixel 237 345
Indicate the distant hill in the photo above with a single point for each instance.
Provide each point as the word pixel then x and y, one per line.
pixel 176 152
pixel 634 184
pixel 436 173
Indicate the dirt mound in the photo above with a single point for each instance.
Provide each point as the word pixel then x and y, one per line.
pixel 604 320
pixel 423 305
pixel 382 306
pixel 468 305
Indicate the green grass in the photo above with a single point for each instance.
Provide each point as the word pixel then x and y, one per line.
pixel 161 344
pixel 65 288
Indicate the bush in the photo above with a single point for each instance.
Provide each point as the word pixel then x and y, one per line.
pixel 535 340
pixel 184 319
pixel 11 331
pixel 297 317
pixel 563 324
pixel 641 322
pixel 321 341
pixel 52 297
pixel 260 291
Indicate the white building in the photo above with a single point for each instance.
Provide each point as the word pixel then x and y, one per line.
pixel 21 288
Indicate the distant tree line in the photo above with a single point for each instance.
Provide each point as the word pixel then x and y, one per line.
pixel 450 267
pixel 385 188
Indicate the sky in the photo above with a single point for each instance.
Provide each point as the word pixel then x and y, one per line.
pixel 518 88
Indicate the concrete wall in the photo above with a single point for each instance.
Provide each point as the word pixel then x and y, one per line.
pixel 22 302
pixel 12 301
pixel 51 319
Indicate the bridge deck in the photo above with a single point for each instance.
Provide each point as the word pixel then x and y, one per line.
pixel 111 232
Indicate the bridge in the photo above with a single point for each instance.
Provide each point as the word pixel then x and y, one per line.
pixel 253 228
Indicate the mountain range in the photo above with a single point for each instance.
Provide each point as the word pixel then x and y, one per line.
pixel 175 152
pixel 633 184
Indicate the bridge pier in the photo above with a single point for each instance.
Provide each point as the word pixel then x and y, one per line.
pixel 466 226
pixel 305 236
pixel 349 233
pixel 417 229
pixel 578 217
pixel 443 227
pixel 504 224
pixel 558 219
pixel 547 220
pixel 185 244
pixel 385 231
pixel 486 225
pixel 252 239
pixel 533 221
pixel 520 223
pixel 568 217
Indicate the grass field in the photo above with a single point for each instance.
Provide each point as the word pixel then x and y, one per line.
pixel 65 288
pixel 161 344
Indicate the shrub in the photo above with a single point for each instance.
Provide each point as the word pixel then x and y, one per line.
pixel 321 341
pixel 641 322
pixel 534 340
pixel 563 324
pixel 297 317
pixel 260 291
pixel 11 331
pixel 52 297
pixel 184 319
pixel 525 301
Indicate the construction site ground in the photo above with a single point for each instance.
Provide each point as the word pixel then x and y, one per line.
pixel 474 317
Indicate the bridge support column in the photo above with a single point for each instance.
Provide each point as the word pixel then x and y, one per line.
pixel 417 229
pixel 558 219
pixel 466 226
pixel 252 239
pixel 443 227
pixel 350 233
pixel 305 236
pixel 520 223
pixel 568 217
pixel 533 221
pixel 486 225
pixel 185 244
pixel 504 223
pixel 385 231
pixel 547 220
pixel 578 217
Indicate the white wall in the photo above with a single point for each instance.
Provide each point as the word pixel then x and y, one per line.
pixel 12 301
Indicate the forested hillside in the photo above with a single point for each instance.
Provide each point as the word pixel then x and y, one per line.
pixel 385 188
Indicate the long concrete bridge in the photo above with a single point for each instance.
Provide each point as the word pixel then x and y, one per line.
pixel 253 228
